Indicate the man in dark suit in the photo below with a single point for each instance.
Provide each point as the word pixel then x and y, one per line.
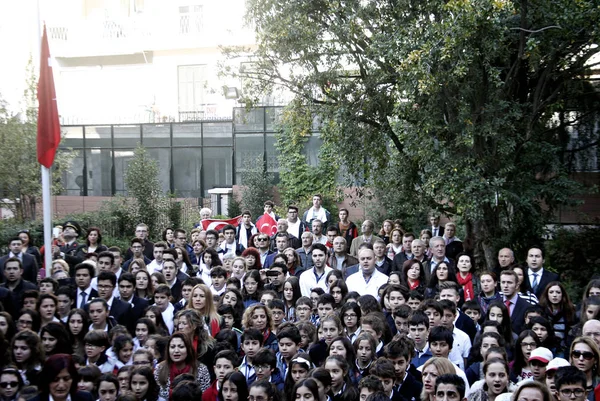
pixel 84 273
pixel 435 228
pixel 281 244
pixel 141 231
pixel 406 253
pixel 382 262
pixel 119 310
pixel 126 294
pixel 538 277
pixel 30 267
pixel 454 246
pixel 510 296
pixel 13 272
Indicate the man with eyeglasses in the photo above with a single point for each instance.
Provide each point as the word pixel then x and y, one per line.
pixel 295 225
pixel 136 249
pixel 591 328
pixel 571 384
pixel 141 232
pixel 180 236
pixel 119 310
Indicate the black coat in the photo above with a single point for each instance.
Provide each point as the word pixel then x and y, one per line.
pixel 410 389
pixel 466 324
pixel 547 278
pixel 148 251
pixel 30 268
pixel 139 306
pixel 517 317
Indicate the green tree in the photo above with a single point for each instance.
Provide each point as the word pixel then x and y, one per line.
pixel 465 107
pixel 257 186
pixel 21 186
pixel 143 185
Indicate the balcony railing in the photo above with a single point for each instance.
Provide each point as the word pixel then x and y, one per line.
pixel 92 37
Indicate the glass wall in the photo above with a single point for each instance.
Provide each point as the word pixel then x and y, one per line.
pixel 193 157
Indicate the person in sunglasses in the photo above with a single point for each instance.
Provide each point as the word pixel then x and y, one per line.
pixel 585 356
pixel 10 383
pixel 571 384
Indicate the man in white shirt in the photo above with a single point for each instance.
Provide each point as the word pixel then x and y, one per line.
pixel 157 263
pixel 368 279
pixel 295 226
pixel 462 342
pixel 315 277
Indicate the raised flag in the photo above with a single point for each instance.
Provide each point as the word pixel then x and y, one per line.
pixel 48 127
pixel 266 224
pixel 216 224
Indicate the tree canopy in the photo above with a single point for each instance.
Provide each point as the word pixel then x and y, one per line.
pixel 473 108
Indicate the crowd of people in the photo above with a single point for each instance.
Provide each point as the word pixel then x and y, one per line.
pixel 316 310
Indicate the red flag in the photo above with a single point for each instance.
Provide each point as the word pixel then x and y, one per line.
pixel 266 224
pixel 48 127
pixel 215 224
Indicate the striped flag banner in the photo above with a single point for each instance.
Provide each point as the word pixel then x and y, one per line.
pixel 216 224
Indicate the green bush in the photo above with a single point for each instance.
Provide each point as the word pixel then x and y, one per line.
pixel 576 256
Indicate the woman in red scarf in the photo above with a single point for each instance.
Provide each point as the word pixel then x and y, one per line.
pixel 180 358
pixel 190 322
pixel 465 277
pixel 413 275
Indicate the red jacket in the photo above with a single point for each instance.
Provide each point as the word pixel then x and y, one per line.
pixel 211 393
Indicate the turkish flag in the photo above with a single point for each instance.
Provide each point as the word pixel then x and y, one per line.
pixel 266 224
pixel 48 126
pixel 216 224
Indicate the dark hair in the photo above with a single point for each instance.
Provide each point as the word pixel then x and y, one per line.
pixel 433 280
pixel 322 375
pixel 310 384
pixel 551 342
pixel 566 307
pixel 253 334
pixel 417 318
pixel 519 358
pixel 254 274
pixel 350 306
pixel 240 383
pixel 89 230
pixel 35 318
pixel 146 372
pixel 88 267
pixel 59 332
pixel 440 333
pixel 320 247
pixel 52 368
pixel 350 353
pixel 186 390
pixel 108 276
pixel 383 368
pixel 406 266
pixel 506 326
pixel 368 303
pixel 371 382
pixel 228 337
pixel 453 380
pixel 475 352
pixel 265 356
pixel 160 322
pixel 291 332
pixel 400 348
pixel 569 375
pixel 270 390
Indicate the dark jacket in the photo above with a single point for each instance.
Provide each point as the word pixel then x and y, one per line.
pixel 30 268
pixel 410 389
pixel 17 293
pixel 547 278
pixel 148 251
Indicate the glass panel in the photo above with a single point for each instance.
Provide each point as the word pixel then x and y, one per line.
pixel 217 168
pixel 187 172
pixel 98 137
pixel 72 180
pixel 312 149
pixel 218 134
pixel 72 137
pixel 163 157
pixel 252 120
pixel 249 148
pixel 156 135
pixel 122 158
pixel 126 136
pixel 99 167
pixel 187 135
pixel 272 161
pixel 273 116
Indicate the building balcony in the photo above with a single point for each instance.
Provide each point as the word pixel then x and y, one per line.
pixel 130 35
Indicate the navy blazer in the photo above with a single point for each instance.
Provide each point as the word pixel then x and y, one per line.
pixel 547 278
pixel 517 317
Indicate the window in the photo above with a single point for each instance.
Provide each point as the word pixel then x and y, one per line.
pixel 192 87
pixel 191 19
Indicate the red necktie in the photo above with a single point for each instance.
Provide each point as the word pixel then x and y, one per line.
pixel 507 303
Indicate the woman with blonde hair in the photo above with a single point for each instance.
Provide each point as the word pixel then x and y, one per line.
pixel 190 322
pixel 59 265
pixel 433 368
pixel 585 356
pixel 202 301
pixel 259 317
